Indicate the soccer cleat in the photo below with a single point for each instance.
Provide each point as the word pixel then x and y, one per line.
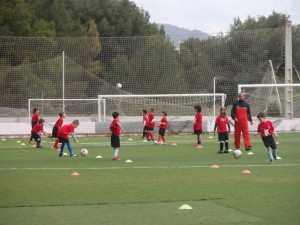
pixel 156 142
pixel 73 155
pixel 116 158
pixel 61 155
pixel 248 148
pixel 226 151
pixel 271 162
pixel 198 146
pixel 38 146
pixel 220 152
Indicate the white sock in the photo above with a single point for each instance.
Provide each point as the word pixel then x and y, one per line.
pixel 115 152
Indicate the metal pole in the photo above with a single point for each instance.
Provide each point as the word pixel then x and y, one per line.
pixel 214 108
pixel 63 80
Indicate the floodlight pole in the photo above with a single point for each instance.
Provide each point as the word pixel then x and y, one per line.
pixel 214 108
pixel 63 80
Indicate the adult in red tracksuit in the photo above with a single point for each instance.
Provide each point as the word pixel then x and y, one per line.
pixel 241 114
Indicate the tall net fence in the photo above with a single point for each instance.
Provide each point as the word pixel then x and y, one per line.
pixel 34 68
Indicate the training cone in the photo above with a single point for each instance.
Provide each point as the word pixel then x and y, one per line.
pixel 98 157
pixel 174 144
pixel 230 150
pixel 3 139
pixel 214 167
pixel 130 139
pixel 250 153
pixel 128 161
pixel 279 157
pixel 277 142
pixel 74 174
pixel 210 137
pixel 185 206
pixel 18 141
pixel 246 172
pixel 65 154
pixel 23 144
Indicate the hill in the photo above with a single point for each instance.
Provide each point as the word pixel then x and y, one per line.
pixel 178 34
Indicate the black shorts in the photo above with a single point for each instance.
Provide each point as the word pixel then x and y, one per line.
pixel 36 136
pixel 55 132
pixel 33 124
pixel 148 128
pixel 63 140
pixel 269 142
pixel 223 136
pixel 197 131
pixel 115 141
pixel 161 131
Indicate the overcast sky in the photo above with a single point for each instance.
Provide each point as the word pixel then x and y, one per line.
pixel 213 16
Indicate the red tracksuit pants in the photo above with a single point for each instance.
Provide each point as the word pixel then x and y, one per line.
pixel 244 129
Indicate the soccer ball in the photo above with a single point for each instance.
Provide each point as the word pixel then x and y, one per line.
pixel 84 152
pixel 237 154
pixel 119 85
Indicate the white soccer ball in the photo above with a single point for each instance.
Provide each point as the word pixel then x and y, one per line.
pixel 237 154
pixel 84 152
pixel 119 85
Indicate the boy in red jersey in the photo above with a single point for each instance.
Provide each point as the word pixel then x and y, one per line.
pixel 63 135
pixel 34 121
pixel 198 125
pixel 56 128
pixel 150 125
pixel 36 132
pixel 223 133
pixel 241 114
pixel 162 128
pixel 145 119
pixel 116 129
pixel 266 131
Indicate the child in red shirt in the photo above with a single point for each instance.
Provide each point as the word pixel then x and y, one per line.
pixel 266 131
pixel 116 129
pixel 198 125
pixel 150 125
pixel 34 121
pixel 36 132
pixel 222 123
pixel 56 128
pixel 162 128
pixel 63 135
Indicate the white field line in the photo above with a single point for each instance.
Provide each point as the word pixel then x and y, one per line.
pixel 150 167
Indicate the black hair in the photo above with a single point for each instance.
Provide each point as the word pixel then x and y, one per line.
pixel 164 112
pixel 41 120
pixel 145 111
pixel 261 115
pixel 115 115
pixel 35 110
pixel 61 114
pixel 198 108
pixel 76 122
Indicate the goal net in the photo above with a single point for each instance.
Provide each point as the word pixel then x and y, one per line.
pixel 179 107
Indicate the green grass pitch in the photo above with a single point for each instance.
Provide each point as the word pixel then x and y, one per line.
pixel 36 187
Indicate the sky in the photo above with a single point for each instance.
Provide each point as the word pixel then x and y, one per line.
pixel 214 16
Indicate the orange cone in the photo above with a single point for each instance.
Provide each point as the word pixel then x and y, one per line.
pixel 174 144
pixel 246 172
pixel 75 174
pixel 214 167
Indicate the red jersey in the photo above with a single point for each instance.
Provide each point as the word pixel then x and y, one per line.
pixel 115 128
pixel 65 130
pixel 151 121
pixel 198 121
pixel 222 123
pixel 38 128
pixel 145 119
pixel 265 128
pixel 163 120
pixel 35 118
pixel 59 122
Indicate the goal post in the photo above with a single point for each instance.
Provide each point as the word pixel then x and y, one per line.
pixel 268 97
pixel 179 107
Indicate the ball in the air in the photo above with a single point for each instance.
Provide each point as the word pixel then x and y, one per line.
pixel 84 152
pixel 237 154
pixel 119 85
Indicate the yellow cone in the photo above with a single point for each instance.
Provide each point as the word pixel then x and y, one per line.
pixel 185 206
pixel 98 157
pixel 128 161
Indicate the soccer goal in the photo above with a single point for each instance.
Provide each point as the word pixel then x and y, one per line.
pixel 273 99
pixel 179 107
